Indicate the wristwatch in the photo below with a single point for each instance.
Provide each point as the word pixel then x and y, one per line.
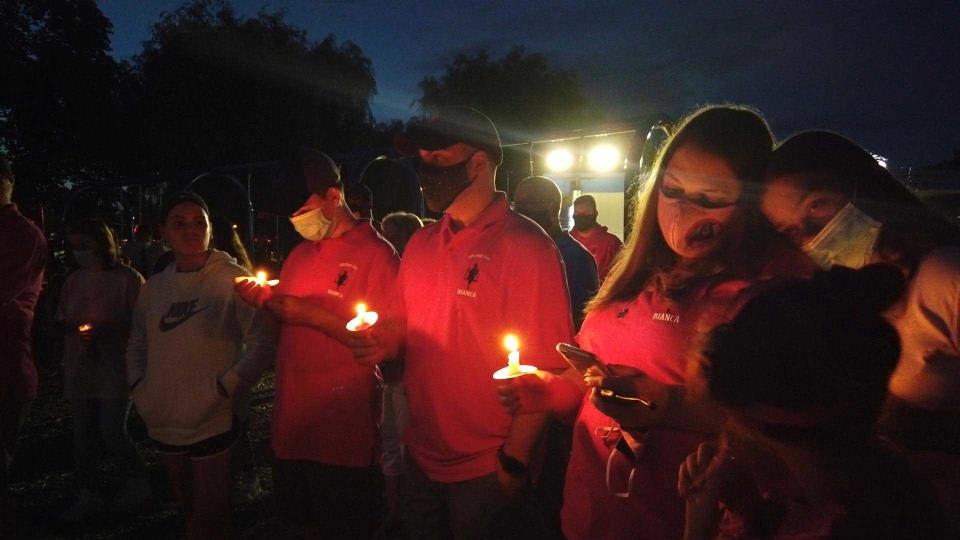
pixel 513 466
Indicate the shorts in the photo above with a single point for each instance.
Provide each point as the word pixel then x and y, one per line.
pixel 344 502
pixel 201 449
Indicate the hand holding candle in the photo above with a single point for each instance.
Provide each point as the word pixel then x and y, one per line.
pixel 255 290
pixel 85 331
pixel 364 319
pixel 514 367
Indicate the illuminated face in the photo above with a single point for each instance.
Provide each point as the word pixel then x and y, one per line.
pixel 313 202
pixel 797 213
pixel 187 229
pixel 696 202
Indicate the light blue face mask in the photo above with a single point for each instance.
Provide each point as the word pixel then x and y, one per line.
pixel 849 239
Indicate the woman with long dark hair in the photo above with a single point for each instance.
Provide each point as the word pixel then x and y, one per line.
pixel 699 248
pixel 96 305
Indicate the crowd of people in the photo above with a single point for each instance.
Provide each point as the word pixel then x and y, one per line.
pixel 774 352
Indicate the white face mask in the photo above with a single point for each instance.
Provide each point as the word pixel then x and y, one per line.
pixel 847 240
pixel 86 258
pixel 312 225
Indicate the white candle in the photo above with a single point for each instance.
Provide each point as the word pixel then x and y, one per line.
pixel 364 319
pixel 514 367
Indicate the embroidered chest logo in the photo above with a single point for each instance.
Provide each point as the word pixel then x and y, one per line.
pixel 343 275
pixel 179 313
pixel 342 278
pixel 666 317
pixel 470 277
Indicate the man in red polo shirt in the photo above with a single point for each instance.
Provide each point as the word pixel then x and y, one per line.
pixel 480 273
pixel 23 255
pixel 603 245
pixel 327 479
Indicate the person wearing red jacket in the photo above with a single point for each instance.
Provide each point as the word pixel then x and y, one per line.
pixel 603 245
pixel 23 255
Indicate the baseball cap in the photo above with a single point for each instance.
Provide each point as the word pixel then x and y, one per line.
pixel 182 197
pixel 304 171
pixel 452 125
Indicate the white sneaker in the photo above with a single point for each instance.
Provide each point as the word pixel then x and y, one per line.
pixel 88 504
pixel 134 493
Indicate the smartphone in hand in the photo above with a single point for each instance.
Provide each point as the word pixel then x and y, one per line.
pixel 582 360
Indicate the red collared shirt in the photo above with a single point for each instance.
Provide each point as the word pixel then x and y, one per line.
pixel 326 405
pixel 23 255
pixel 463 292
pixel 603 245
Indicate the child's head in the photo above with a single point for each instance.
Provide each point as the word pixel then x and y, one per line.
pixel 808 363
pixel 92 244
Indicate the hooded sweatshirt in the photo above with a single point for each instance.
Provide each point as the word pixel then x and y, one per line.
pixel 190 331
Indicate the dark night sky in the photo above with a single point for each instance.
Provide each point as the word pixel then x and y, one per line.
pixel 885 73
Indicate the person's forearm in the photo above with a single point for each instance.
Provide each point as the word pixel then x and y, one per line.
pixel 524 435
pixel 320 319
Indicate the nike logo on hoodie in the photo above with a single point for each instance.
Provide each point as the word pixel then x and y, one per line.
pixel 179 313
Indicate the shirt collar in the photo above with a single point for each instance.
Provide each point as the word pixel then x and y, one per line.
pixel 491 215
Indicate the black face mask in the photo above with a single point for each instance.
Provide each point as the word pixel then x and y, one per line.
pixel 442 185
pixel 583 222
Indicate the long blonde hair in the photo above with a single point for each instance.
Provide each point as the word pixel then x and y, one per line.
pixel 741 137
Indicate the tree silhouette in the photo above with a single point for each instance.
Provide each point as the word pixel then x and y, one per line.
pixel 520 92
pixel 58 99
pixel 220 89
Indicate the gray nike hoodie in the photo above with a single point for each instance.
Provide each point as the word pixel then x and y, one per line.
pixel 189 332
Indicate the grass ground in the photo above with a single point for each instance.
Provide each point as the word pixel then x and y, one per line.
pixel 42 483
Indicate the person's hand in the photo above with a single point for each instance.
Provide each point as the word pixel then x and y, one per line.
pixel 289 309
pixel 250 292
pixel 510 485
pixel 87 333
pixel 628 382
pixel 699 482
pixel 376 344
pixel 540 392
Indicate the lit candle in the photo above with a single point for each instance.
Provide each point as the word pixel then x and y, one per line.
pixel 260 279
pixel 364 319
pixel 263 281
pixel 514 367
pixel 85 328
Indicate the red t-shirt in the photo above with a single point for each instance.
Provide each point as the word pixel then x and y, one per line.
pixel 463 292
pixel 603 245
pixel 23 255
pixel 326 405
pixel 655 335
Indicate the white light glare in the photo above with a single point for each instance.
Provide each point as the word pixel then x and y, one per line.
pixel 559 160
pixel 603 158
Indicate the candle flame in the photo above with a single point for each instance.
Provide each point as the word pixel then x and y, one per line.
pixel 361 309
pixel 511 342
pixel 261 277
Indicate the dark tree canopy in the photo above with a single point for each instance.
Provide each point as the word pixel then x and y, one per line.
pixel 58 97
pixel 221 89
pixel 520 92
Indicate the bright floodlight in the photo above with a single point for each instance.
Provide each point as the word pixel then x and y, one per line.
pixel 604 157
pixel 559 160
